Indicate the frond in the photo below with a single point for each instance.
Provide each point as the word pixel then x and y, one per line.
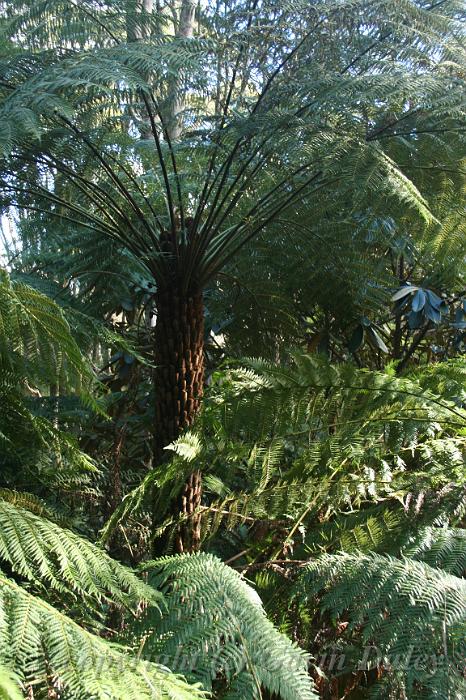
pixel 440 547
pixel 35 338
pixel 30 502
pixel 414 614
pixel 9 686
pixel 215 627
pixel 48 555
pixel 28 437
pixel 49 650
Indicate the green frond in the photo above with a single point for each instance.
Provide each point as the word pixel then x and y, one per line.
pixel 30 502
pixel 440 547
pixel 28 437
pixel 374 528
pixel 49 650
pixel 35 337
pixel 413 614
pixel 9 687
pixel 48 555
pixel 131 505
pixel 215 628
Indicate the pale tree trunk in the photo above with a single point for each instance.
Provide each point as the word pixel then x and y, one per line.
pixel 176 97
pixel 135 29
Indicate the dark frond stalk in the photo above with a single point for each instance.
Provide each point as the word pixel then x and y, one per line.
pixel 241 240
pixel 166 180
pixel 223 172
pixel 110 171
pixel 166 134
pixel 206 190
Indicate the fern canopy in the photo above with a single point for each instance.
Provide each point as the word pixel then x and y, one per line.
pixel 185 182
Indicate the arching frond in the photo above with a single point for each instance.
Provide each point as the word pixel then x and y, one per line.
pixel 440 547
pixel 49 555
pixel 49 650
pixel 215 627
pixel 413 614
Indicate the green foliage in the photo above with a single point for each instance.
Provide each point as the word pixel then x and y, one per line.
pixel 53 557
pixel 9 689
pixel 48 648
pixel 413 614
pixel 273 145
pixel 35 338
pixel 215 630
pixel 37 350
pixel 442 548
pixel 337 433
pixel 300 164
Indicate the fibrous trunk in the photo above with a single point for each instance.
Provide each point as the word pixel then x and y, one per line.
pixel 179 380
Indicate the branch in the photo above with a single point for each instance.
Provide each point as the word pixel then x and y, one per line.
pixel 413 347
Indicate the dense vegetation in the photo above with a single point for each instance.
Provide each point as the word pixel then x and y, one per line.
pixel 232 336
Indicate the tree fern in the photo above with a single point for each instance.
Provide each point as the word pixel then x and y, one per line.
pixel 413 614
pixel 215 631
pixel 281 138
pixel 49 650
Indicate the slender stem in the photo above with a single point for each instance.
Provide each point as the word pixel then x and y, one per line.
pixel 123 189
pixel 158 146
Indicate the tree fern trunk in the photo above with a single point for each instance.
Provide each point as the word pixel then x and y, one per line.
pixel 179 381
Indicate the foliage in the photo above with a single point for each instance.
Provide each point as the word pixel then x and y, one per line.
pixel 413 614
pixel 9 689
pixel 48 647
pixel 215 627
pixel 298 166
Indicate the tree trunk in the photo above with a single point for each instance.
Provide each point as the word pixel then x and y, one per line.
pixel 179 359
pixel 179 381
pixel 176 96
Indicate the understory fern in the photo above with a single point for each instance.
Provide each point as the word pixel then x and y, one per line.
pixel 49 650
pixel 202 620
pixel 410 616
pixel 215 630
pixel 46 554
pixel 441 547
pixel 341 434
pixel 37 350
pixel 35 338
